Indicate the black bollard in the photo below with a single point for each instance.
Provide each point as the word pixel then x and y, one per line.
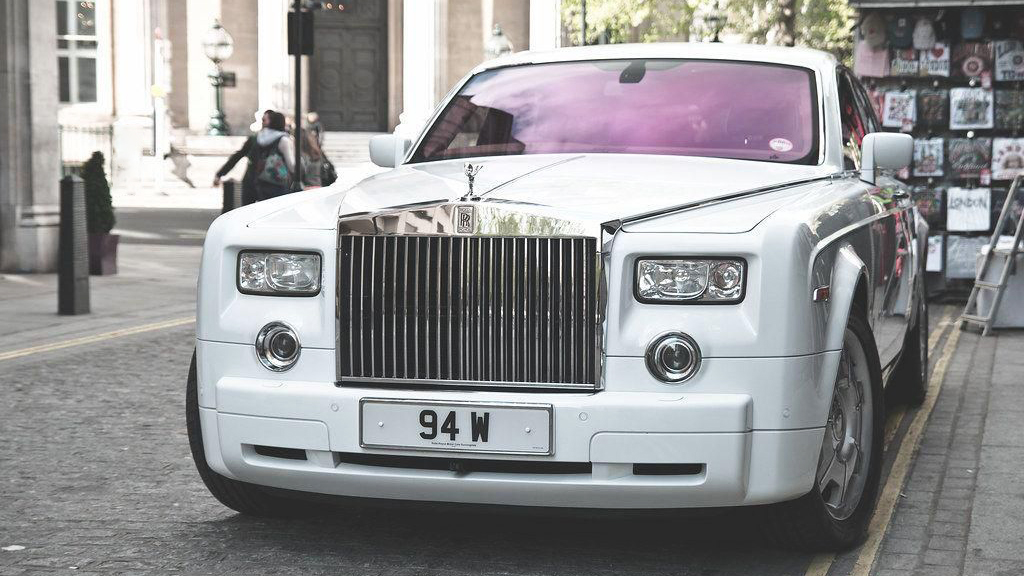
pixel 73 257
pixel 232 196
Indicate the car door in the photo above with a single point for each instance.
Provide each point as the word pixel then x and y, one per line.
pixel 894 258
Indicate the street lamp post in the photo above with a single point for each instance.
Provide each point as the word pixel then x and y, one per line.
pixel 498 44
pixel 218 46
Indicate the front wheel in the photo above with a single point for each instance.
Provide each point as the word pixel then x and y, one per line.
pixel 239 496
pixel 835 514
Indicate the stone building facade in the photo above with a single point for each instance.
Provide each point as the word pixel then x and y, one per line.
pixel 123 76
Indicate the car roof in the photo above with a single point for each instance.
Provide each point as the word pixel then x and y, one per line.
pixel 803 57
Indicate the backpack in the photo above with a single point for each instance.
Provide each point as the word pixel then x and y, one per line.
pixel 270 165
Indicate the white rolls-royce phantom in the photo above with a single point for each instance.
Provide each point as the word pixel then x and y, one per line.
pixel 633 277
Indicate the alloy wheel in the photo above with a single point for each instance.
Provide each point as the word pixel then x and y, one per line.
pixel 846 447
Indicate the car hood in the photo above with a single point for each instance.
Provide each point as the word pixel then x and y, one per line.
pixel 591 188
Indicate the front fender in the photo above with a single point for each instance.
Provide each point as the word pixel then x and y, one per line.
pixel 847 272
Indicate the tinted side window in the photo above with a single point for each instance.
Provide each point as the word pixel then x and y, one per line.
pixel 867 111
pixel 854 123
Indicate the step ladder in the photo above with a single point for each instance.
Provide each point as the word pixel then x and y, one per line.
pixel 971 315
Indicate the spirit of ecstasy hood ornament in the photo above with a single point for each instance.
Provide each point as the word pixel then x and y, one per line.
pixel 471 171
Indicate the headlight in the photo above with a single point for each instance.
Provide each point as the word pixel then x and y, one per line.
pixel 673 357
pixel 690 280
pixel 279 273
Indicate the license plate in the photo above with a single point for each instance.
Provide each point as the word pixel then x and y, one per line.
pixel 493 428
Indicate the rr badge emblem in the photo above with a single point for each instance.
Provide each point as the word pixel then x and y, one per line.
pixel 465 219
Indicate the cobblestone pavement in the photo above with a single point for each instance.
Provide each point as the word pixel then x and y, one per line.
pixel 97 476
pixel 962 510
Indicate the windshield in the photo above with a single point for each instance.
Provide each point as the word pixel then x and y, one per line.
pixel 750 111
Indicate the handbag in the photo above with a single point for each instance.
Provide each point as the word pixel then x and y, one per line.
pixel 328 175
pixel 274 169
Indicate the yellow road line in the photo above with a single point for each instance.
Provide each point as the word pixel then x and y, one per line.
pixel 821 563
pixel 901 465
pixel 95 338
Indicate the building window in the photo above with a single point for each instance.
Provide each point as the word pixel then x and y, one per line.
pixel 76 51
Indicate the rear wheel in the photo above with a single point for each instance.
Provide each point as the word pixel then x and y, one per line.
pixel 911 376
pixel 239 496
pixel 834 515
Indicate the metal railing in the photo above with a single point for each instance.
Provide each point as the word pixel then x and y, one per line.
pixel 77 143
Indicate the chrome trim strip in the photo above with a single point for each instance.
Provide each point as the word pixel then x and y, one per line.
pixel 347 381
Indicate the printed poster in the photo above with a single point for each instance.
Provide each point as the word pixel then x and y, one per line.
pixel 972 60
pixel 933 262
pixel 904 63
pixel 970 108
pixel 962 255
pixel 931 108
pixel 935 62
pixel 1007 158
pixel 968 209
pixel 1010 109
pixel 928 201
pixel 928 156
pixel 969 156
pixel 1009 60
pixel 899 109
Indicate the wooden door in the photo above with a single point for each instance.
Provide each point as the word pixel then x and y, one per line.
pixel 349 68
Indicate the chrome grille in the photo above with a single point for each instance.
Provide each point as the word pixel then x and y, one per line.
pixel 468 311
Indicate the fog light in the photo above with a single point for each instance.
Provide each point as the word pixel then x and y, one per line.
pixel 673 357
pixel 277 347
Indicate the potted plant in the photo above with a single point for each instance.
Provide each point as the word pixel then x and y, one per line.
pixel 99 210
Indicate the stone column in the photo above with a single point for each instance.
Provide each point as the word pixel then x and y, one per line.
pixel 133 104
pixel 29 159
pixel 199 16
pixel 275 81
pixel 419 62
pixel 239 18
pixel 545 25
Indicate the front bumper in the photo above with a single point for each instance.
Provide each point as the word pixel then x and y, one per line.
pixel 739 464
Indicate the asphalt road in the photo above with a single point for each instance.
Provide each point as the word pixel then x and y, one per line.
pixel 167 226
pixel 97 476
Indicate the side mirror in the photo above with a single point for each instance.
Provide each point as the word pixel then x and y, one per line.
pixel 388 150
pixel 885 151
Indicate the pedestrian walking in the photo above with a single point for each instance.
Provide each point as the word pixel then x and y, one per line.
pixel 312 159
pixel 249 178
pixel 327 174
pixel 273 157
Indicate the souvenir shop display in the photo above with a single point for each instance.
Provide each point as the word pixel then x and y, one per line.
pixel 969 156
pixel 934 61
pixel 968 209
pixel 1010 110
pixel 928 156
pixel 972 60
pixel 899 110
pixel 964 65
pixel 928 200
pixel 932 108
pixel 970 109
pixel 1007 158
pixel 1009 60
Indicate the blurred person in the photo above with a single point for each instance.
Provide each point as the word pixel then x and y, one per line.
pixel 328 174
pixel 249 178
pixel 312 159
pixel 274 158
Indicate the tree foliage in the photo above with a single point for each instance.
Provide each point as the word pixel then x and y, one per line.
pixel 99 206
pixel 822 24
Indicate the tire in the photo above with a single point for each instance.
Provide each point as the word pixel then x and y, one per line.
pixel 241 497
pixel 819 521
pixel 910 379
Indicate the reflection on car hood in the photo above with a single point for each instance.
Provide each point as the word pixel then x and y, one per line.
pixel 590 187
